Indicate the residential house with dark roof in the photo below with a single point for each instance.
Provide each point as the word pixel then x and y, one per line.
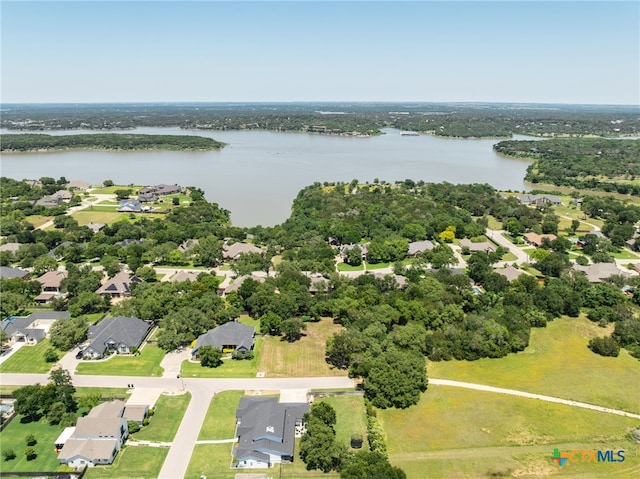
pixel 238 282
pixel 120 334
pixel 78 185
pixel 119 286
pixel 539 200
pixel 231 336
pixel 187 245
pixel 161 189
pixel 6 272
pixel 130 206
pixel 266 431
pixel 33 328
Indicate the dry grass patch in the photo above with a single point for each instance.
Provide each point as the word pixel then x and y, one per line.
pixel 303 358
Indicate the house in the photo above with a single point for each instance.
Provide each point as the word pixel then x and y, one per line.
pixel 510 272
pixel 137 413
pixel 63 195
pixel 48 202
pixel 598 272
pixel 187 245
pixel 96 438
pixel 182 275
pixel 56 252
pixel 318 282
pixel 7 272
pixel 131 206
pixel 119 286
pixel 484 246
pixel 346 247
pixel 95 227
pixel 120 334
pixel 266 431
pixel 534 239
pixel 161 189
pixel 231 336
pixel 10 247
pixel 241 279
pixel 401 281
pixel 147 198
pixel 417 247
pixel 78 185
pixel 235 250
pixel 51 281
pixel 33 328
pixel 539 200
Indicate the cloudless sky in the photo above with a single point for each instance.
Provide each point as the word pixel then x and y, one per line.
pixel 216 51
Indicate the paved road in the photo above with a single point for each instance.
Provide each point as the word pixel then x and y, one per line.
pixel 496 237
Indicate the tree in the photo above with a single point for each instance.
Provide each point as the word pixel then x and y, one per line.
pixel 107 183
pixel 342 346
pixel 146 273
pixel 292 328
pixel 50 355
pixel 353 256
pixel 44 263
pixel 395 378
pixel 133 426
pixel 66 333
pixel 86 303
pixel 64 388
pixel 56 413
pixel 31 440
pixel 271 323
pixel 28 402
pixel 370 465
pixel 325 412
pixel 319 448
pixel 606 346
pixel 210 357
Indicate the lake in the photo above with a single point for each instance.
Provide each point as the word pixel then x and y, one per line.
pixel 259 173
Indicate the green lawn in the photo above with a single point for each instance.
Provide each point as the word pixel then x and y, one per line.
pixel 84 217
pixel 220 422
pixel 211 460
pixel 137 462
pixel 346 267
pixel 231 368
pixel 372 266
pixel 146 364
pixel 351 417
pixel 164 424
pixel 455 432
pixel 13 437
pixel 29 359
pixel 625 254
pixel 557 363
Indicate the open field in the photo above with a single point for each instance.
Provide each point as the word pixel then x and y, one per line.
pixel 460 433
pixel 302 358
pixel 220 422
pixel 13 437
pixel 231 368
pixel 146 364
pixel 557 363
pixel 38 220
pixel 111 190
pixel 164 424
pixel 351 417
pixel 84 217
pixel 29 359
pixel 139 462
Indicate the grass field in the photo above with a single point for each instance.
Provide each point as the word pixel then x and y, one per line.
pixel 557 363
pixel 351 417
pixel 13 437
pixel 29 359
pixel 211 460
pixel 220 422
pixel 163 426
pixel 303 358
pixel 455 432
pixel 137 462
pixel 231 368
pixel 38 220
pixel 146 364
pixel 84 217
pixel 347 267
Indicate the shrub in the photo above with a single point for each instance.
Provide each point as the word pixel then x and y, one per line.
pixel 606 346
pixel 133 426
pixel 8 454
pixel 30 453
pixel 152 411
pixel 31 440
pixel 145 421
pixel 50 355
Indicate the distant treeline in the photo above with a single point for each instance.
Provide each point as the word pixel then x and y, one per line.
pixel 585 163
pixel 449 120
pixel 107 141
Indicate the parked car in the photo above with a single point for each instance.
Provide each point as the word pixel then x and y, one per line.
pixel 79 355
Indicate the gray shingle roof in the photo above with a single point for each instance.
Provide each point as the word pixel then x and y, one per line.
pixel 267 426
pixel 8 272
pixel 231 334
pixel 122 330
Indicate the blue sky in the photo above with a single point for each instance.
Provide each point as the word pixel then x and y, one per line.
pixel 214 51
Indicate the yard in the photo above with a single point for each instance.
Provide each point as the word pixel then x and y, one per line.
pixel 231 368
pixel 146 364
pixel 163 425
pixel 29 359
pixel 139 462
pixel 220 422
pixel 13 437
pixel 302 358
pixel 557 363
pixel 454 432
pixel 86 216
pixel 351 417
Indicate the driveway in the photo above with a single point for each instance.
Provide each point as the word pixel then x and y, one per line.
pixel 172 362
pixel 496 237
pixel 11 351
